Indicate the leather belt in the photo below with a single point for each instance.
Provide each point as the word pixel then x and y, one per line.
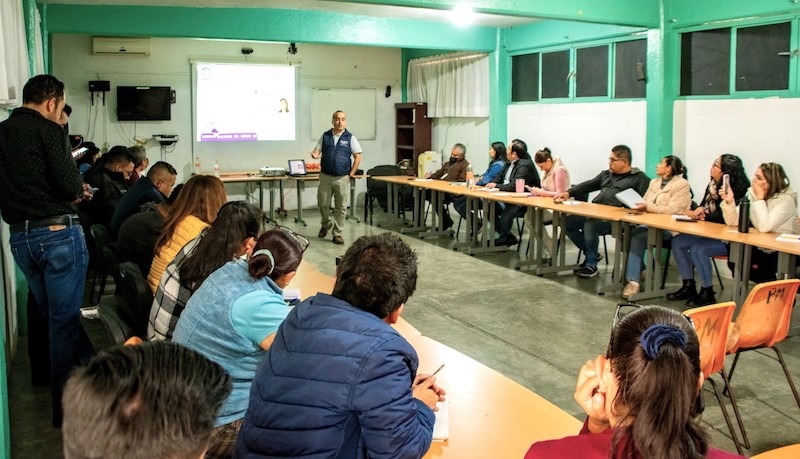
pixel 69 219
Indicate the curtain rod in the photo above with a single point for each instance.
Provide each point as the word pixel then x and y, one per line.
pixel 452 57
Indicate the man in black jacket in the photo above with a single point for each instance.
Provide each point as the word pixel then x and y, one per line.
pixel 585 232
pixel 519 166
pixel 39 185
pixel 109 177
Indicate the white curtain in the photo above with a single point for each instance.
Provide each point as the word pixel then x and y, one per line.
pixel 453 85
pixel 13 53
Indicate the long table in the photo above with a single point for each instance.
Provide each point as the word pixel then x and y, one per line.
pixel 489 414
pixel 741 244
pixel 300 181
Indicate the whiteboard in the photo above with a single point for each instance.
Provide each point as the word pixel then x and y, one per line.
pixel 358 105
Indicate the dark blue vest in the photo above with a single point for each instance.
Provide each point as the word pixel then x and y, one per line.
pixel 336 158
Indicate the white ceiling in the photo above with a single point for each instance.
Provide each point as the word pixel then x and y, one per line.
pixel 382 11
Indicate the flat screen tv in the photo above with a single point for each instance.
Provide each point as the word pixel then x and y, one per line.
pixel 143 103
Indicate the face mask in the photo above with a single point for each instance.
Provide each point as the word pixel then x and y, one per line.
pixel 453 160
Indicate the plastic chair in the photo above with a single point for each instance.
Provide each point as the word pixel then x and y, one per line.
pixel 137 295
pixel 786 452
pixel 711 324
pixel 118 329
pixel 763 321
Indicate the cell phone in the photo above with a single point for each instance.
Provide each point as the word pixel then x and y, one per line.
pixel 726 182
pixel 93 190
pixel 78 152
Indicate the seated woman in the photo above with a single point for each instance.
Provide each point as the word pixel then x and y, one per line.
pixel 555 180
pixel 641 398
pixel 232 235
pixel 669 193
pixel 695 252
pixel 233 317
pixel 193 211
pixel 773 208
pixel 497 159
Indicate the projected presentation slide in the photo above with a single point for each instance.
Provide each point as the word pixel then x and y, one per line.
pixel 244 102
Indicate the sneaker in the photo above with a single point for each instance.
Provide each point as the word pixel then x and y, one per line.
pixel 631 289
pixel 324 230
pixel 587 272
pixel 583 263
pixel 338 240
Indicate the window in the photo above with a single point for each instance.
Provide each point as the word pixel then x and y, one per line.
pixel 630 72
pixel 555 74
pixel 592 72
pixel 581 72
pixel 736 59
pixel 525 77
pixel 760 64
pixel 705 62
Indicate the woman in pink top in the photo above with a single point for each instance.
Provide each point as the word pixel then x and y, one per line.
pixel 555 179
pixel 642 397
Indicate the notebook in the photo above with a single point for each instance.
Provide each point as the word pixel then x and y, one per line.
pixel 441 428
pixel 297 167
pixel 630 197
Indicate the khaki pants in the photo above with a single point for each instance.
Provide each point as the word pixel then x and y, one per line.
pixel 339 188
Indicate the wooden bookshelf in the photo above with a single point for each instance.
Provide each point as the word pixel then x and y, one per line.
pixel 413 132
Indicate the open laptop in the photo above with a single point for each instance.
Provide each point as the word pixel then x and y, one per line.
pixel 297 167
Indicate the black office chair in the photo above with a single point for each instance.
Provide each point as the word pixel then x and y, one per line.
pixel 377 190
pixel 100 237
pixel 134 289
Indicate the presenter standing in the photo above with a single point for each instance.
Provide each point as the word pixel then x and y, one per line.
pixel 336 146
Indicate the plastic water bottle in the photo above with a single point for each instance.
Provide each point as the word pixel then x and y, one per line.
pixel 216 169
pixel 197 165
pixel 470 177
pixel 744 215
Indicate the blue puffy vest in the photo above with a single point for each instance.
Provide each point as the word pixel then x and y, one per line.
pixel 336 158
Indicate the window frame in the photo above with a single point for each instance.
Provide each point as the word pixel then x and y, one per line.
pixel 573 48
pixel 793 89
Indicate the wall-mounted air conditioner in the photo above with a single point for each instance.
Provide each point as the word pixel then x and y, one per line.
pixel 121 45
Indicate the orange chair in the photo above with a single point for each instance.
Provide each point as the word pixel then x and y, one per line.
pixel 786 452
pixel 763 321
pixel 711 324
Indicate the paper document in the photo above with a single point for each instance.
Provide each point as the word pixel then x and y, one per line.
pixel 291 294
pixel 423 179
pixel 682 218
pixel 520 195
pixel 441 427
pixel 630 198
pixel 787 237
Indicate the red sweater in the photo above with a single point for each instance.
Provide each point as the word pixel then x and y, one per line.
pixel 587 445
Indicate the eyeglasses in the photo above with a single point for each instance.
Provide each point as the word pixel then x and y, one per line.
pixel 613 160
pixel 623 309
pixel 302 240
pixel 717 165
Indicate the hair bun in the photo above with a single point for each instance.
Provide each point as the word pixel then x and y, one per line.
pixel 656 335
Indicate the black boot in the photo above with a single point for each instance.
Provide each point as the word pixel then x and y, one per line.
pixel 687 291
pixel 704 298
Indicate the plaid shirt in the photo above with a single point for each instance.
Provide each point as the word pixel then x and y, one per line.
pixel 170 298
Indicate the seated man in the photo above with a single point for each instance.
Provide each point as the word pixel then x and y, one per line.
pixel 153 400
pixel 519 166
pixel 140 163
pixel 585 232
pixel 339 381
pixel 455 170
pixel 108 176
pixel 155 187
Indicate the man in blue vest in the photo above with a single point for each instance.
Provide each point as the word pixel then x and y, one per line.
pixel 336 146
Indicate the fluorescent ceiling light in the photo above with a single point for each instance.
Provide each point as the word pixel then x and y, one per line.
pixel 463 16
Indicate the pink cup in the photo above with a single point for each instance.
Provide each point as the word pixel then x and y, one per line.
pixel 520 185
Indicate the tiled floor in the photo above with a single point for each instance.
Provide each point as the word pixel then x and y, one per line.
pixel 537 331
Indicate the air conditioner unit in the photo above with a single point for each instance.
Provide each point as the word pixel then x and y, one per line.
pixel 121 45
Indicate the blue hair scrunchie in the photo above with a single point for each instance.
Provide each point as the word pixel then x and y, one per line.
pixel 656 335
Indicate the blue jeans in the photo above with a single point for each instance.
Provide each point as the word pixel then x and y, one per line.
pixel 585 234
pixel 54 264
pixel 636 252
pixel 695 252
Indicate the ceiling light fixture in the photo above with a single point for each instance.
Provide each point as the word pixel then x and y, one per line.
pixel 463 16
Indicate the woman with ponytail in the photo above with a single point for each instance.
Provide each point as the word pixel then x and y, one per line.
pixel 232 319
pixel 641 398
